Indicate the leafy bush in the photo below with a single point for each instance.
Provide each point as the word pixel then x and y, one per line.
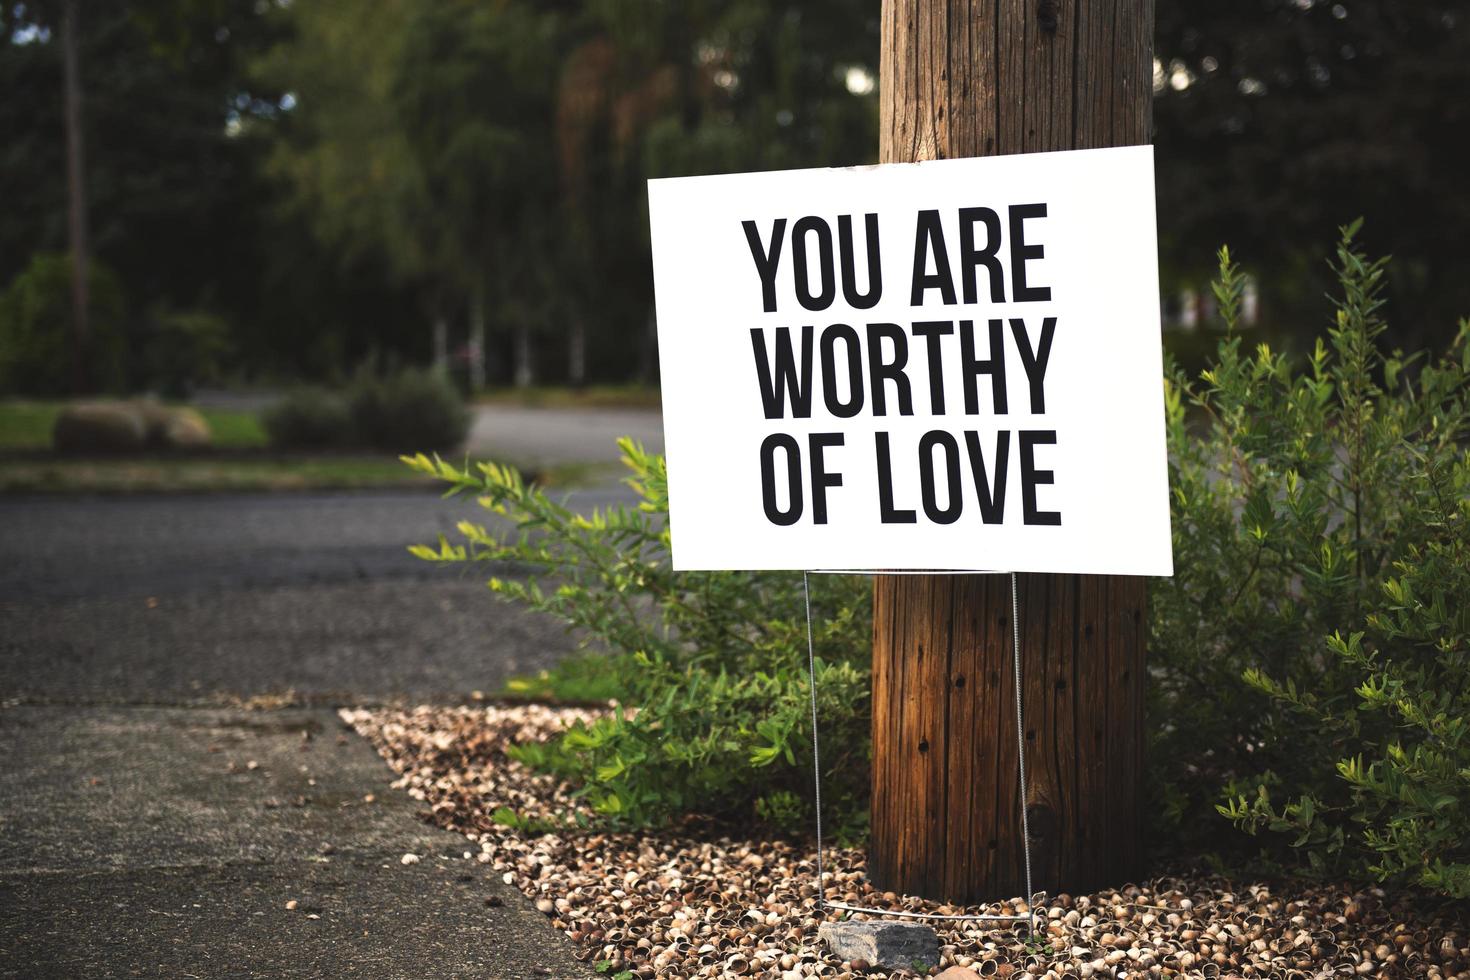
pixel 184 350
pixel 410 410
pixel 1309 656
pixel 1310 653
pixel 713 662
pixel 36 339
pixel 309 418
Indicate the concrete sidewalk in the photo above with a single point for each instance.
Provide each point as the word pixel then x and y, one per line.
pixel 167 842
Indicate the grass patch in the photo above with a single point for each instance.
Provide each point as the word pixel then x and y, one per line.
pixel 27 425
pixel 234 473
pixel 584 677
pixel 593 396
pixel 235 430
pixel 185 475
pixel 237 460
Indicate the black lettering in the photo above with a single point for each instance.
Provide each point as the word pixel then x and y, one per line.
pixel 774 513
pixel 956 502
pixel 775 391
pixel 1031 477
pixel 886 512
pixel 766 259
pixel 970 256
pixel 992 493
pixel 855 299
pixel 854 403
pixel 931 331
pixel 821 479
pixel 929 237
pixel 1035 362
pixel 972 367
pixel 1021 253
pixel 880 370
pixel 823 299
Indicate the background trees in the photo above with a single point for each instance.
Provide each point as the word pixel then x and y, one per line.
pixel 462 182
pixel 1278 120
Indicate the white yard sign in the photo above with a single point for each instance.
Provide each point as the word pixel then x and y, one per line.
pixel 947 365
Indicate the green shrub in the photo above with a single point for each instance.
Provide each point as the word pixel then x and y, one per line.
pixel 1310 653
pixel 410 410
pixel 309 418
pixel 36 338
pixel 183 351
pixel 714 662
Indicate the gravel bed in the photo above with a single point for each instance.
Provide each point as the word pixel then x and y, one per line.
pixel 691 903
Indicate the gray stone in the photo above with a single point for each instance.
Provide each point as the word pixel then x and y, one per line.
pixel 886 945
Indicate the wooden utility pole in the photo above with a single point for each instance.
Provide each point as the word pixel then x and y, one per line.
pixel 76 186
pixel 961 78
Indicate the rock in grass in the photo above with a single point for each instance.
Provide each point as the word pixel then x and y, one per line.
pixel 886 945
pixel 123 427
pixel 174 427
pixel 99 427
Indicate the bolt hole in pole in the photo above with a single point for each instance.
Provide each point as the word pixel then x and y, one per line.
pixel 1034 909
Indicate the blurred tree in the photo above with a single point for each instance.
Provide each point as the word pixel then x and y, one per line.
pixel 37 332
pixel 495 153
pixel 341 155
pixel 474 92
pixel 422 135
pixel 76 195
pixel 180 205
pixel 657 90
pixel 1278 120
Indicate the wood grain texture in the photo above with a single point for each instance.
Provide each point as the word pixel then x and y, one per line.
pixel 967 78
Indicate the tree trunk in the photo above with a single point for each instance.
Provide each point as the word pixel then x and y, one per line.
pixel 441 344
pixel 524 374
pixel 477 339
pixel 577 354
pixel 76 186
pixel 972 79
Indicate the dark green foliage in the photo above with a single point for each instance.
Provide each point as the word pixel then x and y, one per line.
pixel 1310 653
pixel 37 343
pixel 309 418
pixel 175 202
pixel 1272 115
pixel 184 350
pixel 492 157
pixel 406 410
pixel 714 662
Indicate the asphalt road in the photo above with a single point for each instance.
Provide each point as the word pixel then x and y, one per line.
pixel 174 599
